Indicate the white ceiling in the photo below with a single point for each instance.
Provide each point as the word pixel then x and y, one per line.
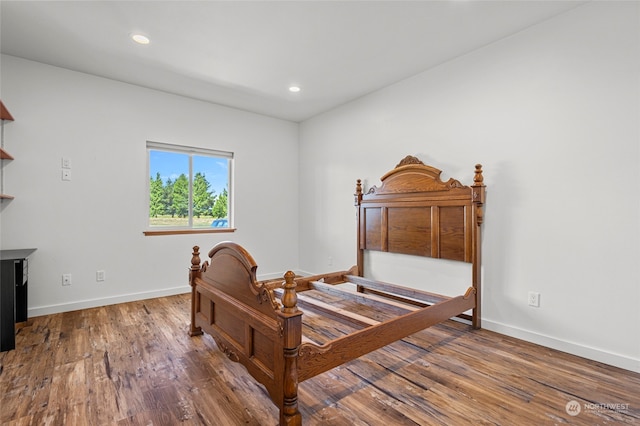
pixel 245 54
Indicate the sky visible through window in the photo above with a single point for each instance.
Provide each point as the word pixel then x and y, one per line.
pixel 171 164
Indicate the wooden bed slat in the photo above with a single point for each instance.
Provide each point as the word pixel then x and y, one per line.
pixel 364 298
pixel 412 293
pixel 305 301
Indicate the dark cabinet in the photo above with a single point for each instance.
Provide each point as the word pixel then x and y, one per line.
pixel 14 277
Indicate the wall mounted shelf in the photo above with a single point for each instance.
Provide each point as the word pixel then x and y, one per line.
pixel 5 115
pixel 4 155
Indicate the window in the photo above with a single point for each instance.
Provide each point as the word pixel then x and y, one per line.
pixel 189 189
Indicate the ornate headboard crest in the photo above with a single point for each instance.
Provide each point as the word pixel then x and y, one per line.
pixel 412 175
pixel 409 159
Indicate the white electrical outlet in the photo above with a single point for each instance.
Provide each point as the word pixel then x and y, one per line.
pixel 100 276
pixel 534 299
pixel 66 279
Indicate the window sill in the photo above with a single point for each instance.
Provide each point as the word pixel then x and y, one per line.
pixel 187 231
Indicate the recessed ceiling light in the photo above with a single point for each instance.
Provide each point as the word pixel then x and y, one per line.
pixel 140 38
pixel 294 89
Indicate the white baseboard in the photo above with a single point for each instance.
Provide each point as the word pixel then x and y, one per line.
pixel 94 303
pixel 599 355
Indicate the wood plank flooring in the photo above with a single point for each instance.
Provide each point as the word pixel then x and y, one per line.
pixel 134 364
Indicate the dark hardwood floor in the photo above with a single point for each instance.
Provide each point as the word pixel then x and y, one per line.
pixel 134 364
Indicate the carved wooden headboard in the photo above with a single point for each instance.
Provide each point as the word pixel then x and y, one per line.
pixel 414 212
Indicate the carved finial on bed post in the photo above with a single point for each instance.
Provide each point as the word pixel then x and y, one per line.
pixel 195 259
pixel 478 193
pixel 358 194
pixel 478 178
pixel 289 297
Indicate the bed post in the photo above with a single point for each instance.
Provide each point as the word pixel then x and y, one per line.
pixel 360 253
pixel 478 192
pixel 291 318
pixel 193 273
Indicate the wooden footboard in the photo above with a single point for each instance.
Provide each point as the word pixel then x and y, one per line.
pixel 248 324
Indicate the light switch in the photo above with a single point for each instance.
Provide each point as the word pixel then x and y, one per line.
pixel 66 174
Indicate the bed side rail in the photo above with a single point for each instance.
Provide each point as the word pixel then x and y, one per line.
pixel 316 359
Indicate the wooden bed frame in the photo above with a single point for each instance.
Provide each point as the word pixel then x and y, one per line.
pixel 412 212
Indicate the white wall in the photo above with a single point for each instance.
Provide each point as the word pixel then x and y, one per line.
pixel 96 220
pixel 552 113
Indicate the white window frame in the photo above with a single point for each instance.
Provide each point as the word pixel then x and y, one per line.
pixel 190 151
